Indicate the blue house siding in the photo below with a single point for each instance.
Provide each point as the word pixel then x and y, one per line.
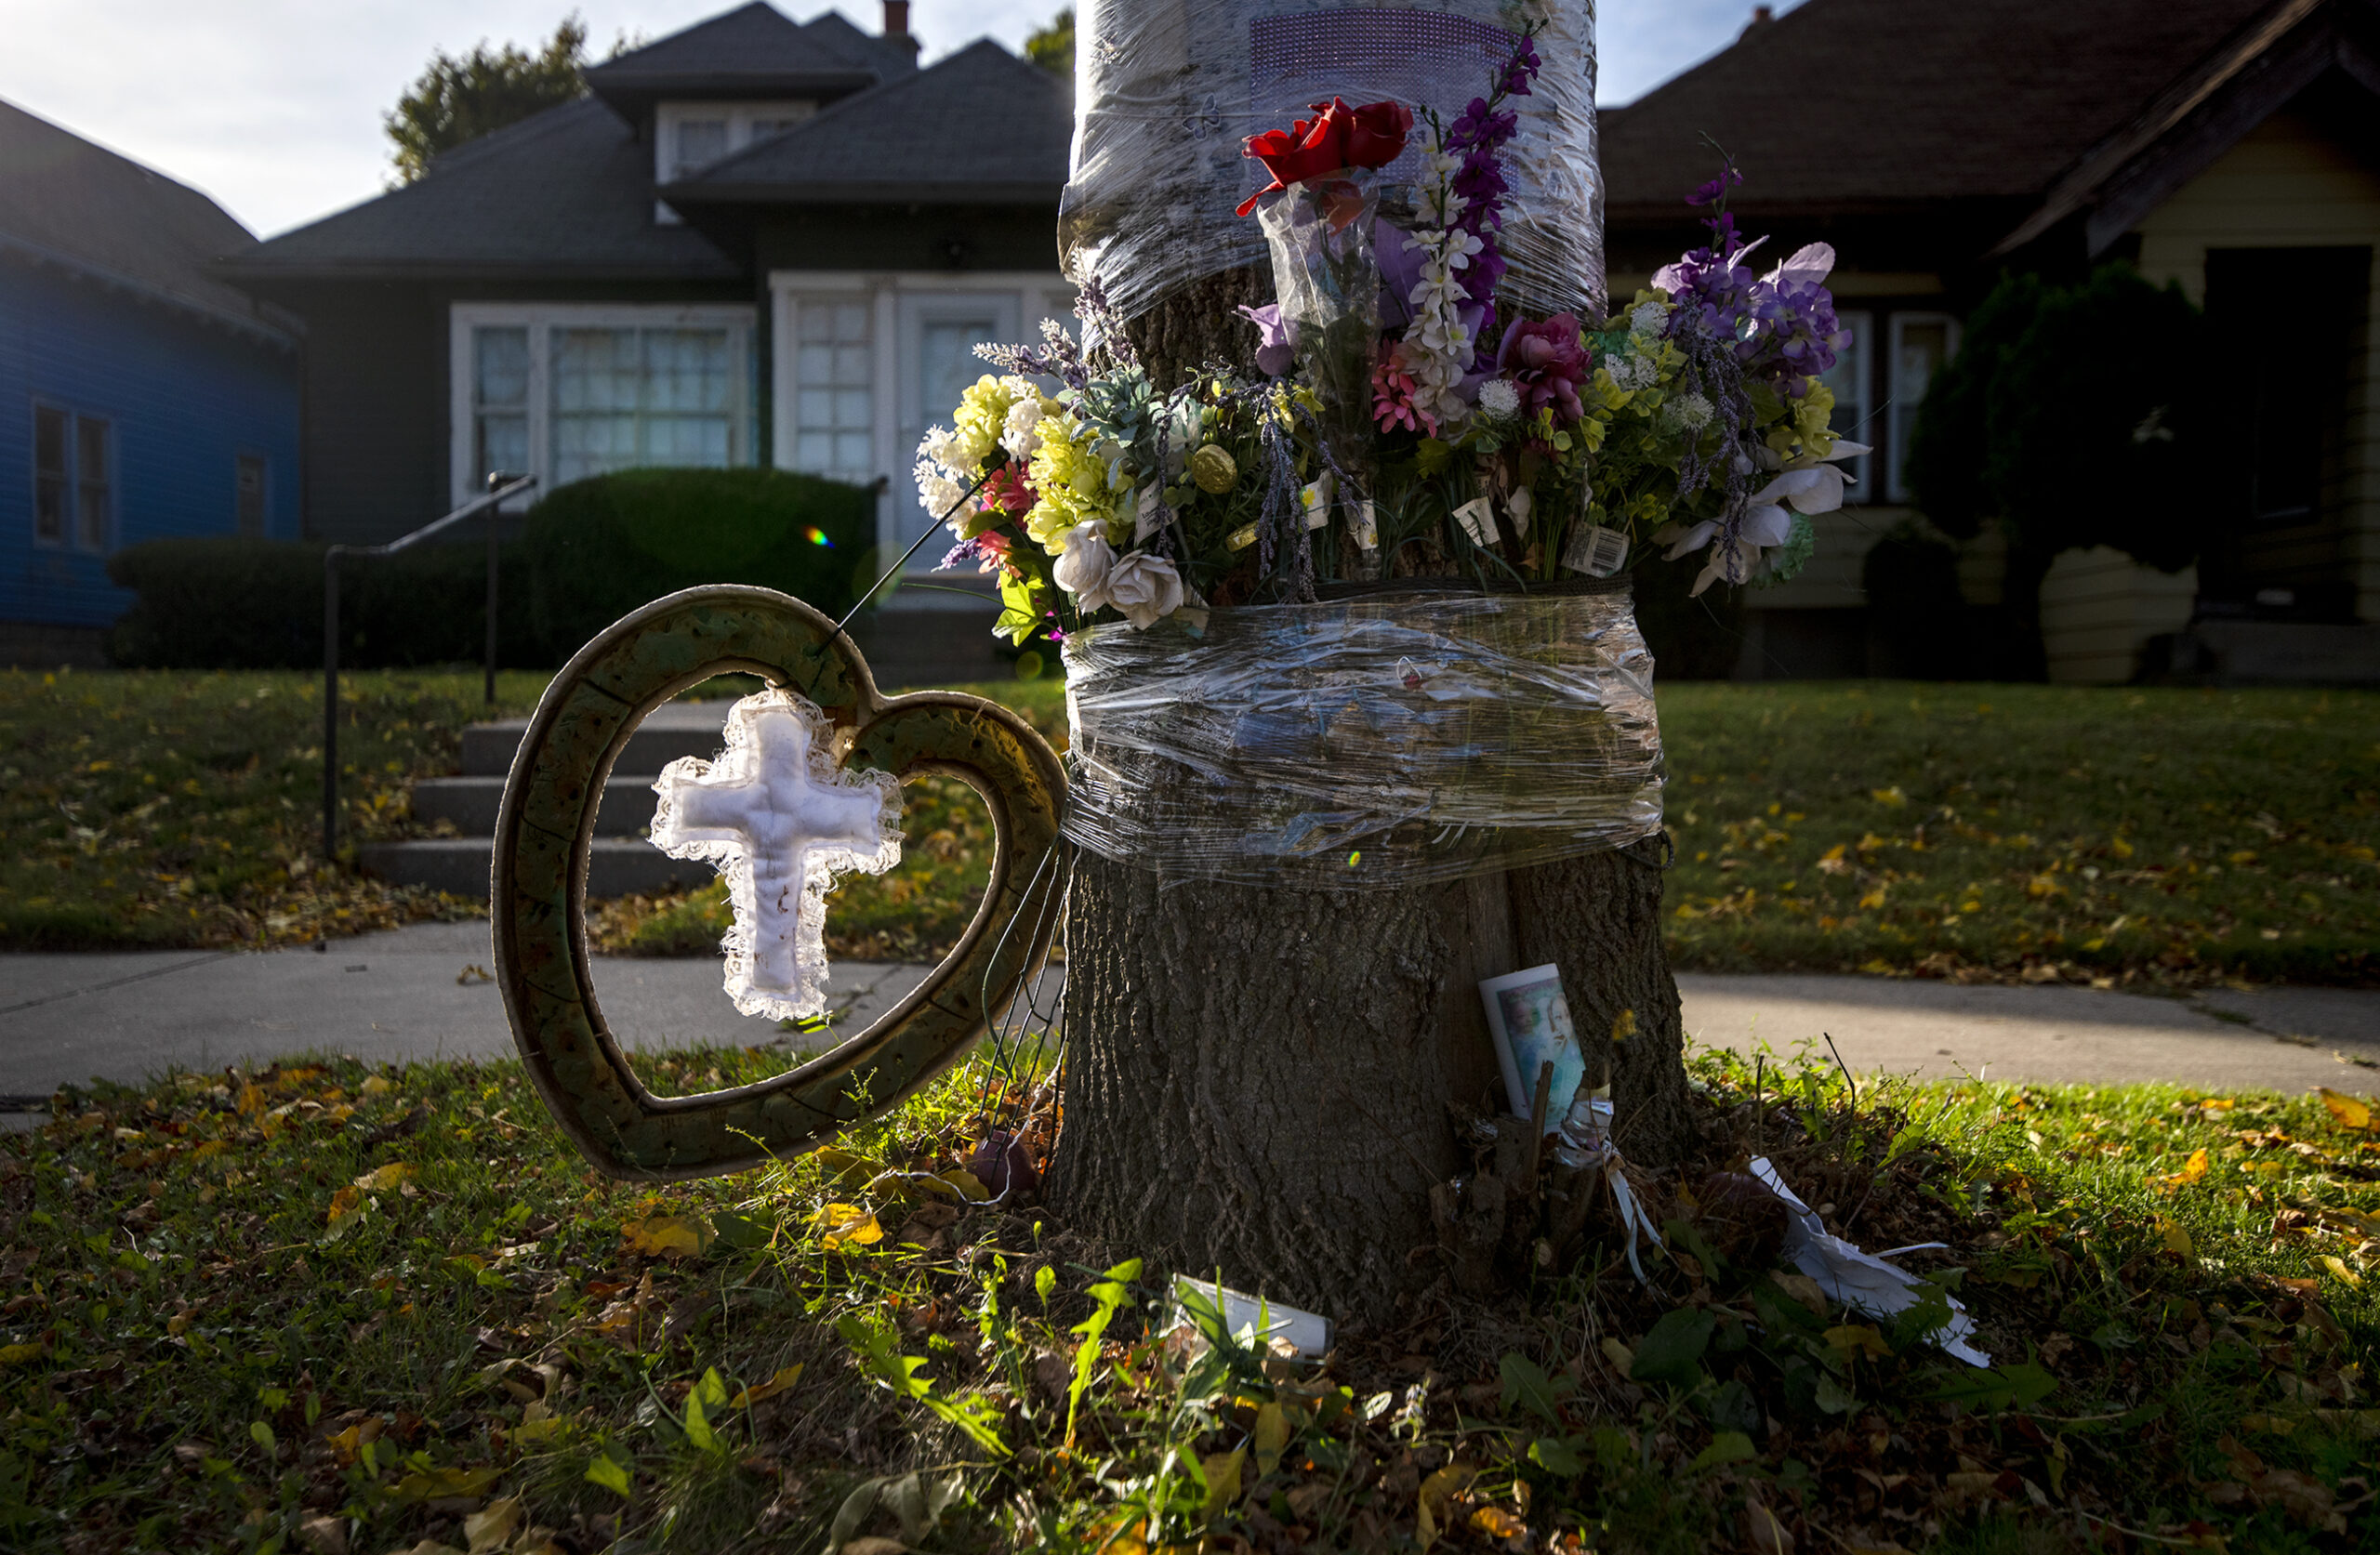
pixel 184 399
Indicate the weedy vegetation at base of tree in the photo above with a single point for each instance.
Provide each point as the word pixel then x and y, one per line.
pixel 325 1308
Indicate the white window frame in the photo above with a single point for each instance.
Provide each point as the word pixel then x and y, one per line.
pixel 1901 413
pixel 541 319
pixel 740 118
pixel 1040 295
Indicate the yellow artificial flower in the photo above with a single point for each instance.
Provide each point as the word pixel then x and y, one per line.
pixel 1070 481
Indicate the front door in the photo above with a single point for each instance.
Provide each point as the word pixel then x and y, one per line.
pixel 939 334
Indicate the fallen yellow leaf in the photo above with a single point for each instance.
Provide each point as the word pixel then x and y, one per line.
pixel 2192 1170
pixel 669 1236
pixel 376 1086
pixel 493 1529
pixel 1436 1490
pixel 17 1354
pixel 785 1378
pixel 2177 1236
pixel 1497 1523
pixel 431 1485
pixel 2349 1111
pixel 1851 1340
pixel 395 1174
pixel 842 1225
pixel 2337 1266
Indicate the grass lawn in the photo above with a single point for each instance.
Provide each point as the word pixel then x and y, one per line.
pixel 1975 831
pixel 330 1308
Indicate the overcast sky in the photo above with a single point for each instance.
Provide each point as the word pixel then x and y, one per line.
pixel 273 106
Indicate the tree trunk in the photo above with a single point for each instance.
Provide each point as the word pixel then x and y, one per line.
pixel 1257 1079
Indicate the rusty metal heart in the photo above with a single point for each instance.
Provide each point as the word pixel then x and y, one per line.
pixel 540 895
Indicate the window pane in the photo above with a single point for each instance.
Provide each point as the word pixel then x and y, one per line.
pixel 596 370
pixel 93 510
pixel 500 365
pixel 50 499
pixel 835 411
pixel 700 143
pixel 686 369
pixel 91 448
pixel 1847 378
pixel 1922 342
pixel 947 363
pixel 248 487
pixel 502 444
pixel 49 441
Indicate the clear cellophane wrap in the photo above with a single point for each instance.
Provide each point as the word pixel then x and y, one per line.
pixel 1392 737
pixel 1165 95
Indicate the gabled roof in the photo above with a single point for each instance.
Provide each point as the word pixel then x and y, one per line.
pixel 753 51
pixel 67 203
pixel 979 128
pixel 2202 115
pixel 567 193
pixel 1871 106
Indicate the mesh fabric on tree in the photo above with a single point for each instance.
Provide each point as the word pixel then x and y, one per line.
pixel 1391 738
pixel 1167 97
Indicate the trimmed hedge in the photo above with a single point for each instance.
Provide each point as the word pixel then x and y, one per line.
pixel 594 550
pixel 599 549
pixel 234 603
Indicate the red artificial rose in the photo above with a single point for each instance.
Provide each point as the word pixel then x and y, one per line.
pixel 1337 135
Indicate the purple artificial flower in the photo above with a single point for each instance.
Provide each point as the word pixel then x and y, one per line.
pixel 1513 80
pixel 1715 192
pixel 1400 271
pixel 1276 339
pixel 1547 361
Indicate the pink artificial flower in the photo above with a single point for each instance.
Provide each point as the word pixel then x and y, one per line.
pixel 1006 491
pixel 1392 388
pixel 1547 361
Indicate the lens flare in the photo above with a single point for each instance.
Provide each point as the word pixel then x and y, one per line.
pixel 817 536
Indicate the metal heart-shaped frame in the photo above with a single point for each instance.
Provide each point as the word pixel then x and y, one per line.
pixel 539 897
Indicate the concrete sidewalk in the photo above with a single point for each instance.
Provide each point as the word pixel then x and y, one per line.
pixel 396 997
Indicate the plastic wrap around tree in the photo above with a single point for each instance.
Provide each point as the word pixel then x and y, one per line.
pixel 1390 738
pixel 1165 98
pixel 1327 281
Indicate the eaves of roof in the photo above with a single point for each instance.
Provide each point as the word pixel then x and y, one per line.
pixel 869 191
pixel 2203 114
pixel 253 327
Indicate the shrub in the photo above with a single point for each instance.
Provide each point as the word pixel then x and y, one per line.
pixel 230 603
pixel 1912 576
pixel 601 548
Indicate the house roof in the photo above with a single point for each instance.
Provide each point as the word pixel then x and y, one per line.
pixel 565 193
pixel 1869 106
pixel 753 51
pixel 67 203
pixel 979 128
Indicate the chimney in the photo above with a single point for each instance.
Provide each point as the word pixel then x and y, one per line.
pixel 896 19
pixel 1761 17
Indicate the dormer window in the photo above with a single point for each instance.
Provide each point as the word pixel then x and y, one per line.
pixel 689 137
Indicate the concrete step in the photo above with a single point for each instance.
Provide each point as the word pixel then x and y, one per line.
pixel 674 730
pixel 471 803
pixel 616 866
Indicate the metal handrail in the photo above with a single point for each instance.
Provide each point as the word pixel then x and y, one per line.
pixel 502 487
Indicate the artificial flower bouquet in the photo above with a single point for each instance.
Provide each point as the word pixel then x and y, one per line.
pixel 1405 417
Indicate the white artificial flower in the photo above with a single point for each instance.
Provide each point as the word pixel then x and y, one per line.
pixel 940 445
pixel 1500 399
pixel 1806 484
pixel 1633 372
pixel 939 493
pixel 1019 435
pixel 1086 565
pixel 1693 412
pixel 1648 320
pixel 1146 587
pixel 1811 263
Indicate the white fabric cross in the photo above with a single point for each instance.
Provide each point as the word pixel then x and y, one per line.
pixel 780 821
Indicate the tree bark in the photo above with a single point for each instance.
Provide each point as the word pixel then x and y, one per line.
pixel 1257 1079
